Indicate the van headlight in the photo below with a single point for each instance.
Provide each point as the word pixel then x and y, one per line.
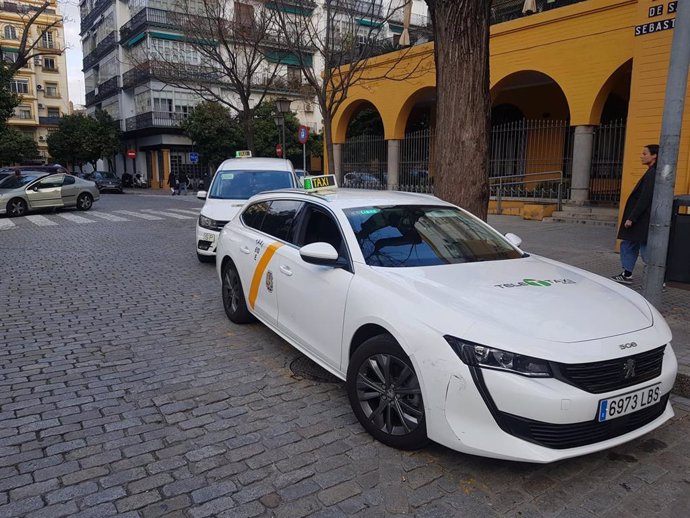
pixel 208 223
pixel 497 359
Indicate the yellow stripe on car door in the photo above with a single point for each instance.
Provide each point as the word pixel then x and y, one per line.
pixel 259 272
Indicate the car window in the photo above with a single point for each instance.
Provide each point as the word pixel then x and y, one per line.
pixel 280 219
pixel 406 236
pixel 69 180
pixel 51 181
pixel 12 182
pixel 242 185
pixel 254 215
pixel 320 227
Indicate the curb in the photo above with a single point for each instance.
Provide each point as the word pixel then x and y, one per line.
pixel 682 384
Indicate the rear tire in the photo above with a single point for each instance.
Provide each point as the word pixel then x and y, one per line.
pixel 233 296
pixel 84 201
pixel 205 258
pixel 385 394
pixel 17 207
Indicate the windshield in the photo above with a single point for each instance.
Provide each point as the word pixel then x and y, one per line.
pixel 106 174
pixel 414 235
pixel 12 182
pixel 242 185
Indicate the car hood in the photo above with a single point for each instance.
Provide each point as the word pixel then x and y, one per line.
pixel 531 297
pixel 221 210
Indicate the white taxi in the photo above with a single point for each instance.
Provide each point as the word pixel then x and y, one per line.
pixel 444 329
pixel 235 181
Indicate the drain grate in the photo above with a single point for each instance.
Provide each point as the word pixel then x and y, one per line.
pixel 307 369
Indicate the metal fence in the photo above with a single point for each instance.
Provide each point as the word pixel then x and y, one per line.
pixel 365 162
pixel 606 173
pixel 415 151
pixel 547 186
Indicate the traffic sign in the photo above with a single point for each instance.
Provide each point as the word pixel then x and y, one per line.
pixel 279 150
pixel 131 153
pixel 193 157
pixel 303 134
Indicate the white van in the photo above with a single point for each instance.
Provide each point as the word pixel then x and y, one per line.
pixel 235 181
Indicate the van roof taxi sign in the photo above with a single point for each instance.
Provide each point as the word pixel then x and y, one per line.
pixel 325 182
pixel 245 153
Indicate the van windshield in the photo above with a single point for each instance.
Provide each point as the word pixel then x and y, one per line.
pixel 242 185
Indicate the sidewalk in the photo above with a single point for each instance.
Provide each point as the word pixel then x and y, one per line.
pixel 592 248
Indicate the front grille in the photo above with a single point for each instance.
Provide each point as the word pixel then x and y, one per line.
pixel 562 436
pixel 599 377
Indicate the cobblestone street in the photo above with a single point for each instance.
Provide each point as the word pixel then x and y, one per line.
pixel 125 390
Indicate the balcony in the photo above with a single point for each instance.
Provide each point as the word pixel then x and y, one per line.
pixel 167 72
pixel 103 91
pixel 149 17
pixel 97 10
pixel 154 120
pixel 106 45
pixel 300 7
pixel 417 21
pixel 49 121
pixel 506 10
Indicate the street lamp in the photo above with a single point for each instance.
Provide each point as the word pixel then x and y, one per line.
pixel 283 107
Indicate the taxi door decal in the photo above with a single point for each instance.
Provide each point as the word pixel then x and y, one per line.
pixel 259 272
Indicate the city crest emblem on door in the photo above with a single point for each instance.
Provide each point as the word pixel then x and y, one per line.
pixel 269 281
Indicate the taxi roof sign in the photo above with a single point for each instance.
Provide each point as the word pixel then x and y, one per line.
pixel 245 153
pixel 320 183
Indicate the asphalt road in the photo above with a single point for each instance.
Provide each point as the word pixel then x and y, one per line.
pixel 125 390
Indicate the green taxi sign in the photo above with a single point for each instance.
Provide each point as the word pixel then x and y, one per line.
pixel 245 153
pixel 320 183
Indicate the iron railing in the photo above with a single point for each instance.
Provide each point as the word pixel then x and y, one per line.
pixel 106 45
pixel 414 174
pixel 151 17
pixel 606 173
pixel 365 162
pixel 49 121
pixel 506 10
pixel 543 186
pixel 154 120
pixel 98 8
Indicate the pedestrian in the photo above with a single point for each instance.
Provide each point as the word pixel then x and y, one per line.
pixel 172 182
pixel 635 222
pixel 183 183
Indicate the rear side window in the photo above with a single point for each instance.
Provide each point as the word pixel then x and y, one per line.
pixel 253 216
pixel 280 219
pixel 69 180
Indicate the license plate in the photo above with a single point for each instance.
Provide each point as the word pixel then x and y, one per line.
pixel 209 237
pixel 628 403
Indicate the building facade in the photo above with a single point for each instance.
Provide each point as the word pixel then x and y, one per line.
pixel 126 46
pixel 42 83
pixel 577 89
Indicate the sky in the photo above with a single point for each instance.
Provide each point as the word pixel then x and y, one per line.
pixel 75 78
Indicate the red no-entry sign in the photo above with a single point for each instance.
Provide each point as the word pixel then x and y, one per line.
pixel 131 153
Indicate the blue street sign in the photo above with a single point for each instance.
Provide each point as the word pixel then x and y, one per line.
pixel 303 134
pixel 193 157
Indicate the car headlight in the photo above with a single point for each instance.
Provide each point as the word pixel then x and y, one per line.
pixel 497 359
pixel 208 223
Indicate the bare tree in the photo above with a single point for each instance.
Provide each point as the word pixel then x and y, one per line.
pixel 222 58
pixel 36 40
pixel 345 35
pixel 463 104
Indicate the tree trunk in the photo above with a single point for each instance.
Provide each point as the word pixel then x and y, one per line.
pixel 247 122
pixel 460 160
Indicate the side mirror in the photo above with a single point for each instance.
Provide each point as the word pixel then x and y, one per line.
pixel 322 254
pixel 202 195
pixel 514 239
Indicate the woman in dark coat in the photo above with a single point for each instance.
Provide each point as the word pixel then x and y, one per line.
pixel 635 222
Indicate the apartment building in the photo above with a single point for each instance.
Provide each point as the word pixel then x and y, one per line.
pixel 42 83
pixel 125 44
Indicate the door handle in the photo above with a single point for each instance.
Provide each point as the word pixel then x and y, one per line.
pixel 286 270
pixel 244 249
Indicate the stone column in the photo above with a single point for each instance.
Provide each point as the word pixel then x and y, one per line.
pixel 393 164
pixel 582 163
pixel 338 162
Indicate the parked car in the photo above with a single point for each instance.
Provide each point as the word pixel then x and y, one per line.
pixel 361 181
pixel 105 181
pixel 444 329
pixel 34 190
pixel 235 181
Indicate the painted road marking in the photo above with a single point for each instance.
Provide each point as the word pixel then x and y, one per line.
pixel 6 224
pixel 138 215
pixel 167 214
pixel 109 217
pixel 41 221
pixel 76 219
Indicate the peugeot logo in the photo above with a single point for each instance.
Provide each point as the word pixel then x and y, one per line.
pixel 629 368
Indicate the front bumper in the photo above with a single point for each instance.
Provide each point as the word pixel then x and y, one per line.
pixel 206 241
pixel 508 416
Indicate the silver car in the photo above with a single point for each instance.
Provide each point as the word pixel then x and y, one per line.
pixel 40 190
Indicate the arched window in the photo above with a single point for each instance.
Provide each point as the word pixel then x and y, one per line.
pixel 10 32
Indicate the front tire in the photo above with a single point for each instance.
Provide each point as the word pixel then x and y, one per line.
pixel 17 207
pixel 385 394
pixel 84 201
pixel 233 296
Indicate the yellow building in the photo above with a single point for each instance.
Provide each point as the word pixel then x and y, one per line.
pixel 577 90
pixel 42 83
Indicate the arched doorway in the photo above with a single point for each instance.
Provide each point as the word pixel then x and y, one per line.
pixel 365 152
